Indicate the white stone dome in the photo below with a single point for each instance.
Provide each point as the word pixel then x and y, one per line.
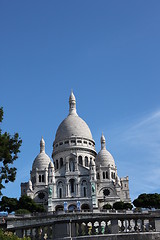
pixel 104 158
pixel 42 160
pixel 73 125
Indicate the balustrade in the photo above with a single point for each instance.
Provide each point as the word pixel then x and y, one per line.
pixel 87 225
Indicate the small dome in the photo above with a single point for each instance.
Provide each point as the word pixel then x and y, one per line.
pixel 42 160
pixel 104 158
pixel 73 125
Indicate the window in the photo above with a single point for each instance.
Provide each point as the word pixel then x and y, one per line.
pixel 73 141
pixel 56 164
pixel 104 176
pixel 60 189
pixel 66 142
pixel 71 165
pixel 39 178
pixel 85 142
pixel 80 160
pixel 98 176
pixel 61 162
pixel 42 178
pixel 106 192
pixel 60 193
pixel 84 188
pixel 72 181
pixel 79 141
pixel 61 143
pixel 86 161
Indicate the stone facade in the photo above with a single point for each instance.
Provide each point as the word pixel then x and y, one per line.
pixel 78 177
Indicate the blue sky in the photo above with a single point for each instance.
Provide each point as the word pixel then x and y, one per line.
pixel 108 52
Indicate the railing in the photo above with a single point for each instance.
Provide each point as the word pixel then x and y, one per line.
pixel 83 224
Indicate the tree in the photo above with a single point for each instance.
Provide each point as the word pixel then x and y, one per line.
pixel 128 206
pixel 24 205
pixel 107 206
pixel 122 206
pixel 118 205
pixel 8 204
pixel 27 203
pixel 147 201
pixel 9 149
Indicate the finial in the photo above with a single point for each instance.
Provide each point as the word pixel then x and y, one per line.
pixel 103 141
pixel 42 145
pixel 72 104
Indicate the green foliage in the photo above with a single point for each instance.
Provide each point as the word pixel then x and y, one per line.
pixel 9 149
pixel 128 206
pixel 118 205
pixel 24 203
pixel 147 201
pixel 8 204
pixel 122 206
pixel 107 206
pixel 10 236
pixel 22 211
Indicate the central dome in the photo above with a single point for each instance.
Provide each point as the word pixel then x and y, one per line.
pixel 73 125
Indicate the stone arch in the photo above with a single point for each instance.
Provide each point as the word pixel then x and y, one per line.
pixel 85 207
pixel 61 162
pixel 80 160
pixel 71 165
pixel 72 186
pixel 86 163
pixel 84 187
pixel 72 207
pixel 59 208
pixel 60 189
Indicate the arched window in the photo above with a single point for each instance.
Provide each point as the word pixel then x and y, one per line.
pixel 56 164
pixel 86 161
pixel 42 178
pixel 113 175
pixel 60 189
pixel 84 188
pixel 80 160
pixel 60 192
pixel 98 176
pixel 39 178
pixel 104 176
pixel 72 185
pixel 61 162
pixel 71 165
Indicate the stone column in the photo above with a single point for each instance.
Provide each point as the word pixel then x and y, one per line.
pixel 114 226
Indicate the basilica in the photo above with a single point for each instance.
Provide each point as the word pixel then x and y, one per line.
pixel 78 178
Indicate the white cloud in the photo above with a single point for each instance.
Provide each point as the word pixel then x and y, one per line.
pixel 143 141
